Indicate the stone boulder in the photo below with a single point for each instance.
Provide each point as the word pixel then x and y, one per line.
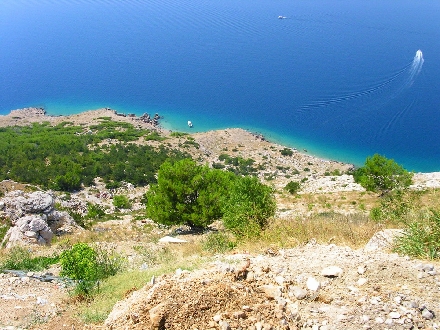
pixel 383 240
pixel 34 220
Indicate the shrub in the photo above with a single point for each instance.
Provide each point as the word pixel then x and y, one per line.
pixel 248 207
pixel 380 174
pixel 178 134
pixel 286 152
pixel 80 264
pixel 421 238
pixel 86 266
pixel 94 211
pixel 218 242
pixel 121 202
pixel 292 187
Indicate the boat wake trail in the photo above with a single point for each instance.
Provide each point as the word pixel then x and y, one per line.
pixel 379 97
pixel 416 67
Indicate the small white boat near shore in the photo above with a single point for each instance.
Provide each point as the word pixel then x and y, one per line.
pixel 190 124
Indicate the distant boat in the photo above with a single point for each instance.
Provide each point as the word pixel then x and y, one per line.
pixel 190 124
pixel 282 17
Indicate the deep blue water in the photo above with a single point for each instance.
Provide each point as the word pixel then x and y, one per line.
pixel 340 78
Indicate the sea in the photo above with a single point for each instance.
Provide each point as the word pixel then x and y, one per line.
pixel 342 79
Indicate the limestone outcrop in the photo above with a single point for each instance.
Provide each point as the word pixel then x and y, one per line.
pixel 33 218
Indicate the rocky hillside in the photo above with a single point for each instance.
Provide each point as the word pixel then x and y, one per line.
pixel 309 287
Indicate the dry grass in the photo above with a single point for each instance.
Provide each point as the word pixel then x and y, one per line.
pixel 341 202
pixel 353 230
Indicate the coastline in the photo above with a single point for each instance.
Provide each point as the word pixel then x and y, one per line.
pixel 312 169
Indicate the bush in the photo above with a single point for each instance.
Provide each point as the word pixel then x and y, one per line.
pixel 218 242
pixel 121 202
pixel 286 152
pixel 87 266
pixel 421 238
pixel 292 187
pixel 94 211
pixel 380 174
pixel 248 207
pixel 187 194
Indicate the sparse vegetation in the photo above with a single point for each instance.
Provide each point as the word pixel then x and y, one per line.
pixel 20 258
pixel 421 236
pixel 186 193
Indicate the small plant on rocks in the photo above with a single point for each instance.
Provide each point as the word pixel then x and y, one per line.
pixel 421 238
pixel 292 187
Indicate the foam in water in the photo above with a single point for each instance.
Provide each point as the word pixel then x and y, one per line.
pixel 416 67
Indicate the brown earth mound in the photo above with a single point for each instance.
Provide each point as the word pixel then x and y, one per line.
pixel 311 287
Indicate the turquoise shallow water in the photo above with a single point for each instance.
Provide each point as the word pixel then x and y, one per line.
pixel 342 79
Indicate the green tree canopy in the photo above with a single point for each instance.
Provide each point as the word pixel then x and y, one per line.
pixel 67 157
pixel 186 193
pixel 380 174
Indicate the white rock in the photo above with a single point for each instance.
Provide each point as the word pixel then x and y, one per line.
pixel 297 292
pixel 169 239
pixel 379 320
pixel 388 321
pixel 46 234
pixel 332 271
pixel 224 325
pixel 31 234
pixel 361 270
pixel 428 267
pixel 426 314
pixel 41 301
pixel 37 224
pixel 279 280
pixel 293 309
pixel 362 281
pixel 365 318
pixel 312 284
pixel 383 240
pixel 394 315
pixel 217 318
